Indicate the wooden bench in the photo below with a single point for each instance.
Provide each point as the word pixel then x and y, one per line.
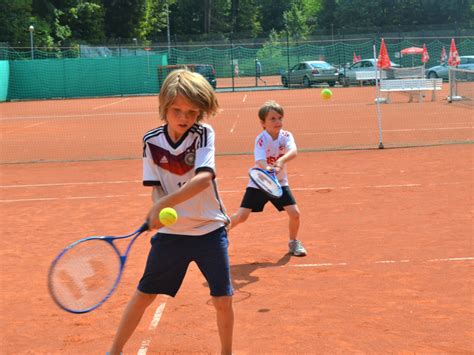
pixel 369 75
pixel 410 86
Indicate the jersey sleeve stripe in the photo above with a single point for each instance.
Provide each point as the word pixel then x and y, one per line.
pixel 150 134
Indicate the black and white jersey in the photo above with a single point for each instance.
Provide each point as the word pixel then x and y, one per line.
pixel 170 165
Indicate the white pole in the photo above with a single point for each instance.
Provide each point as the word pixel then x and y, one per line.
pixel 378 75
pixel 168 35
pixel 31 29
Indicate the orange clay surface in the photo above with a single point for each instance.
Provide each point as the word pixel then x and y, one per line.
pixel 113 128
pixel 389 270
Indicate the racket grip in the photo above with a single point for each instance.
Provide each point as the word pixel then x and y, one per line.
pixel 144 227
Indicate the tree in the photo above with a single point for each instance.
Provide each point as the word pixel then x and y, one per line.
pixel 327 16
pixel 247 18
pixel 122 18
pixel 14 22
pixel 295 21
pixel 271 14
pixel 86 21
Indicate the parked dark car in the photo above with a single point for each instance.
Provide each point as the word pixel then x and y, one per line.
pixel 310 72
pixel 206 70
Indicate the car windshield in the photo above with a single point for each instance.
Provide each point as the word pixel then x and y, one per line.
pixel 203 69
pixel 321 65
pixel 467 60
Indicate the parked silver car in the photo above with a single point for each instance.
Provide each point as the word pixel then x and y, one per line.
pixel 442 71
pixel 310 72
pixel 348 74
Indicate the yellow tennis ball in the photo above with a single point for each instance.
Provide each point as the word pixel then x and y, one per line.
pixel 326 94
pixel 168 216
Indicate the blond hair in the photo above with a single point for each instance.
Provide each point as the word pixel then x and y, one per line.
pixel 192 86
pixel 267 106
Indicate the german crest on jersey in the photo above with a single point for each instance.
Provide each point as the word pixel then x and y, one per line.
pixel 189 157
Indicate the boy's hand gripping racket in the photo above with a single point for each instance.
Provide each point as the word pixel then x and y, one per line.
pixel 266 181
pixel 86 273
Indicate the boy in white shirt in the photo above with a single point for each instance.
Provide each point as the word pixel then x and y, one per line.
pixel 274 147
pixel 179 165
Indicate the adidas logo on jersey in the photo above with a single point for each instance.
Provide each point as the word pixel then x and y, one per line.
pixel 164 160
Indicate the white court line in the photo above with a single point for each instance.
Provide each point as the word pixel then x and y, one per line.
pixel 386 130
pixel 236 177
pixel 42 199
pixel 80 116
pixel 72 184
pixel 112 103
pixel 403 261
pixel 233 126
pixel 450 259
pixel 29 126
pixel 245 98
pixel 154 323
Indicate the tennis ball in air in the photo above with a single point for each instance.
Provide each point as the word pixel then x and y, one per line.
pixel 326 94
pixel 168 216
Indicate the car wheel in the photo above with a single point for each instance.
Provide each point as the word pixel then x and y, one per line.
pixel 432 75
pixel 332 83
pixel 284 81
pixel 306 82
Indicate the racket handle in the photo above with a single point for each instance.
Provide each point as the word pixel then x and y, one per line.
pixel 144 227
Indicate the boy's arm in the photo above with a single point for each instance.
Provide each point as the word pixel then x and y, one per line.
pixel 198 183
pixel 285 158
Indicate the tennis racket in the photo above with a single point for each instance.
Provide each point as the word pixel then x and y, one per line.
pixel 266 181
pixel 86 273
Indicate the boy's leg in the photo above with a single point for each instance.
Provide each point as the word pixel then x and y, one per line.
pixel 295 246
pixel 225 322
pixel 239 217
pixel 294 221
pixel 130 319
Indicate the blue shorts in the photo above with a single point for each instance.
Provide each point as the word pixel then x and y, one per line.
pixel 171 254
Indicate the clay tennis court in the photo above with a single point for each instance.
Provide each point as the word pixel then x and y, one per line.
pixel 389 232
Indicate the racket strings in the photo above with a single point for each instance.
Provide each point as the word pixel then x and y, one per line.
pixel 266 182
pixel 85 274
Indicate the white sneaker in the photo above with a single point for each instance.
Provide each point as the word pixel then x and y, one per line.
pixel 296 248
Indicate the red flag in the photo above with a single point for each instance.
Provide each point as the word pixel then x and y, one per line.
pixel 355 59
pixel 425 57
pixel 383 60
pixel 359 58
pixel 453 59
pixel 443 55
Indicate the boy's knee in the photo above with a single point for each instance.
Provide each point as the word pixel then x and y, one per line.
pixel 294 214
pixel 238 218
pixel 243 217
pixel 223 303
pixel 144 299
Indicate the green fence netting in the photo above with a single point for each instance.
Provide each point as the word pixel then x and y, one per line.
pixel 133 71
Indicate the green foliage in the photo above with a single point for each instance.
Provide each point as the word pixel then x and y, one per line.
pixel 154 22
pixel 68 22
pixel 247 18
pixel 15 18
pixel 86 22
pixel 271 14
pixel 122 18
pixel 61 32
pixel 295 21
pixel 273 47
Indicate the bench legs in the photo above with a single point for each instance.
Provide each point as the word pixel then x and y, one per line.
pixel 420 96
pixel 410 96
